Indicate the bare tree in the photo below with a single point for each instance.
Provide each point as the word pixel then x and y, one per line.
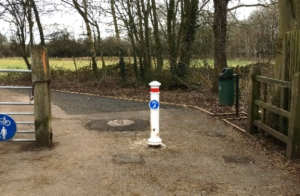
pixel 94 15
pixel 126 12
pixel 38 21
pixel 15 12
pixel 83 10
pixel 157 37
pixel 122 64
pixel 188 30
pixel 172 8
pixel 136 18
pixel 182 25
pixel 100 46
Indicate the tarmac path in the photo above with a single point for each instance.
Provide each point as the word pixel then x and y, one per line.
pixel 200 155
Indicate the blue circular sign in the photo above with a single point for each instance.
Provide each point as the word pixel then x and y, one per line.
pixel 8 128
pixel 153 104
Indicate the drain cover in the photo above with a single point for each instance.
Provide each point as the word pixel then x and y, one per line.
pixel 237 159
pixel 119 122
pixel 128 158
pixel 216 134
pixel 118 125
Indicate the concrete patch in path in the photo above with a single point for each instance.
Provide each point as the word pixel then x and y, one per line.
pixel 118 125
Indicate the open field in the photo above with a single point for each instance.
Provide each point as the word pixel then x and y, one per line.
pixel 18 63
pixel 230 62
pixel 67 63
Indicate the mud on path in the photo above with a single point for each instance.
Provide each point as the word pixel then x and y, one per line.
pixel 200 155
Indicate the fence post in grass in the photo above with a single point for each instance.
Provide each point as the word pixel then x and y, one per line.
pixel 42 107
pixel 293 145
pixel 254 94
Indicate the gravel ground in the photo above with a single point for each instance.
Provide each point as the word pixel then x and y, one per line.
pixel 199 156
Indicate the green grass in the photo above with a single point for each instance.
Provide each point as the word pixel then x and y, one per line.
pixel 12 63
pixel 230 63
pixel 18 63
pixel 240 62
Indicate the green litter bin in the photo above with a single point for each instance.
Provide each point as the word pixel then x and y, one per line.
pixel 226 87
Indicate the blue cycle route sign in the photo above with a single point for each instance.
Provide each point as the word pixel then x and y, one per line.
pixel 154 104
pixel 8 128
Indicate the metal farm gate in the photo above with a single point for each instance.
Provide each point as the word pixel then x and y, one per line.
pixel 21 111
pixel 38 128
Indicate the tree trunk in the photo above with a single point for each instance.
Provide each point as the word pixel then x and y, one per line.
pixel 159 56
pixel 37 18
pixel 220 35
pixel 25 53
pixel 101 50
pixel 30 23
pixel 189 31
pixel 89 34
pixel 25 58
pixel 171 36
pixel 122 64
pixel 132 31
pixel 147 48
pixel 142 44
pixel 84 15
pixel 285 25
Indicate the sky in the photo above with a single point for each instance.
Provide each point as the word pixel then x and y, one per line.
pixel 74 23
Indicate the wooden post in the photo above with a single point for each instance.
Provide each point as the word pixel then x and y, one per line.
pixel 291 67
pixel 293 145
pixel 292 58
pixel 264 112
pixel 254 87
pixel 42 105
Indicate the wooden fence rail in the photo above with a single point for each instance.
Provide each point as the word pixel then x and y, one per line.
pixel 254 122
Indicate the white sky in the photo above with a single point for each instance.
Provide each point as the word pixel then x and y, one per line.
pixel 73 22
pixel 244 12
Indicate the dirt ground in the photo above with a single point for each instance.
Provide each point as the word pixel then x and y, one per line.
pixel 199 156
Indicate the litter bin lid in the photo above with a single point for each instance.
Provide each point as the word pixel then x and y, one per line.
pixel 226 74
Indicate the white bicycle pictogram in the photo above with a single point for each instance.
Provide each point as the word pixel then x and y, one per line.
pixel 4 122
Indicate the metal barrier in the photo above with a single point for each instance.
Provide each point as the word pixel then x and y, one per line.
pixel 20 114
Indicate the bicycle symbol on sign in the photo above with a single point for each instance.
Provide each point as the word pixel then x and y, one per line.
pixel 154 104
pixel 4 122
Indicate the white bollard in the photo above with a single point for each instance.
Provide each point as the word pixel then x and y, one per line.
pixel 154 139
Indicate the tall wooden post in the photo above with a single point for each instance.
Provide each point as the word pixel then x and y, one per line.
pixel 42 105
pixel 293 145
pixel 291 67
pixel 254 87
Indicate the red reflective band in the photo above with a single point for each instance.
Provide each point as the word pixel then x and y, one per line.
pixel 154 90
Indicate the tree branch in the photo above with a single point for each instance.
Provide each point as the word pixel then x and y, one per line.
pixel 39 24
pixel 247 5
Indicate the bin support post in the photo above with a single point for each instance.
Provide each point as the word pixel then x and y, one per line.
pixel 237 103
pixel 154 139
